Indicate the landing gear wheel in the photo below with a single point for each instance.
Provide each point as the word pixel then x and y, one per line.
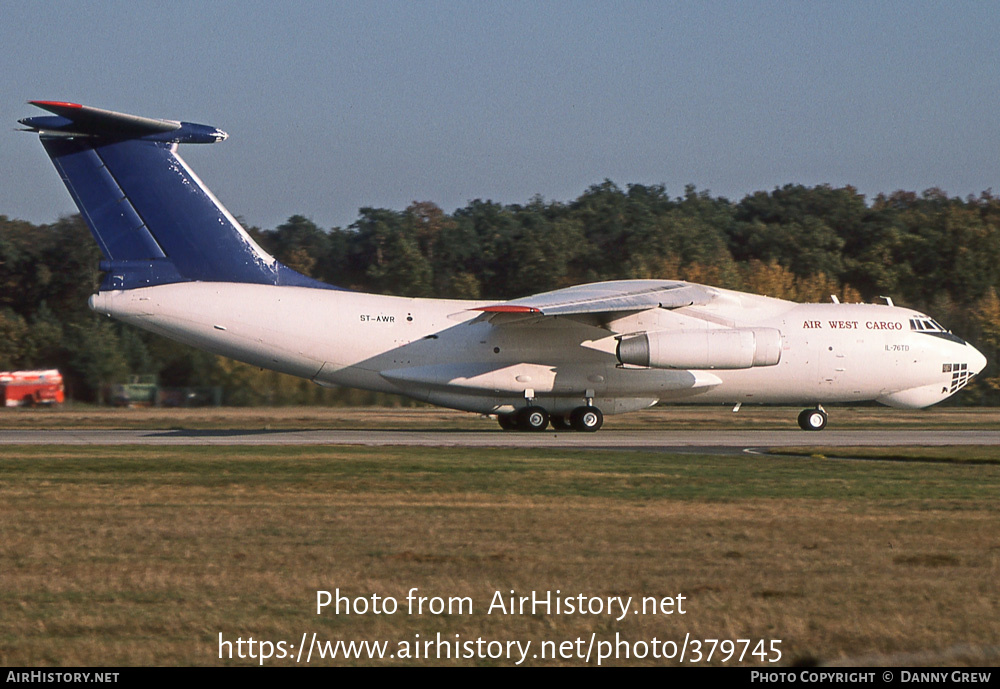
pixel 587 419
pixel 812 420
pixel 560 423
pixel 507 421
pixel 532 419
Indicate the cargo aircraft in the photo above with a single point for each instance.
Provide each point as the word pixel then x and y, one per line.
pixel 177 263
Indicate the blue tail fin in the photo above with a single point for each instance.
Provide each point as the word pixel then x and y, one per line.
pixel 154 220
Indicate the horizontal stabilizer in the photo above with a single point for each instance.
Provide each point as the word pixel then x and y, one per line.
pixel 73 119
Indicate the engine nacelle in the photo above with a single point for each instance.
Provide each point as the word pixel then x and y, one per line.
pixel 702 349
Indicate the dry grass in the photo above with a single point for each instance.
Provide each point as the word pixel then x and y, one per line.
pixel 665 417
pixel 125 556
pixel 985 454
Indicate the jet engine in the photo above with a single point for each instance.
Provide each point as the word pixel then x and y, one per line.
pixel 724 348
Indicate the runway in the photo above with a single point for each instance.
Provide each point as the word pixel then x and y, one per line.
pixel 644 439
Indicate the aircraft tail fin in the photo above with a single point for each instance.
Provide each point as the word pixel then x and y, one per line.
pixel 154 220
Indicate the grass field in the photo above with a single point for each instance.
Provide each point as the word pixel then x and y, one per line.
pixel 144 556
pixel 665 417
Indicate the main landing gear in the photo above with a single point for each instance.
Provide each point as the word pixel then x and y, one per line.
pixel 813 419
pixel 588 419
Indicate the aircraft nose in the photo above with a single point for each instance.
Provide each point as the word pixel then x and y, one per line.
pixel 977 362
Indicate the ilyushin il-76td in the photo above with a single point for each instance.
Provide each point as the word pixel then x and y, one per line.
pixel 177 263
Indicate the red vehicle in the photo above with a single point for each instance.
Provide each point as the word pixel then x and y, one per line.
pixel 28 388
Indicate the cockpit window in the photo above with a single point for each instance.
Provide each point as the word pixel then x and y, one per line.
pixel 926 325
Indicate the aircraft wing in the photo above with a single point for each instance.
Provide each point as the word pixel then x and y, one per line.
pixel 603 298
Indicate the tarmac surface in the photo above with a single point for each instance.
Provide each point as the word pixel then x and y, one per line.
pixel 644 439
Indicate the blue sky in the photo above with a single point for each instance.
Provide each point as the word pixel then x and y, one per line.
pixel 334 106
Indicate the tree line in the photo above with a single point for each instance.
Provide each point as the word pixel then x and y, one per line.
pixel 929 251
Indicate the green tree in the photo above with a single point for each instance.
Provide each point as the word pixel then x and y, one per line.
pixel 485 235
pixel 96 356
pixel 300 245
pixel 386 257
pixel 13 331
pixel 44 341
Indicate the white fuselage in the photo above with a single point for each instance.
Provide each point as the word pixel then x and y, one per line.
pixel 446 353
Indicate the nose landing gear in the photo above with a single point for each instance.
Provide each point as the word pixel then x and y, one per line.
pixel 813 419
